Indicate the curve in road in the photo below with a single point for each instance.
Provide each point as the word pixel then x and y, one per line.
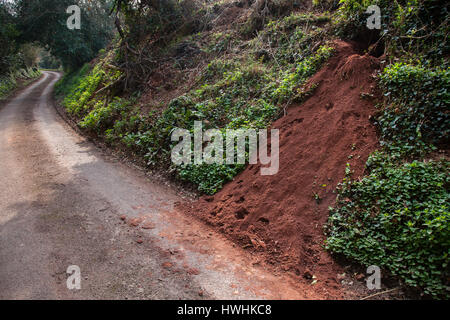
pixel 61 201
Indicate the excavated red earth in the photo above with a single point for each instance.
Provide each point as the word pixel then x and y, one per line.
pixel 279 217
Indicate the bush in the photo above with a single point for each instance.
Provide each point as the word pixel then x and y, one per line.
pixel 209 178
pixel 9 83
pixel 416 108
pixel 78 87
pixel 70 81
pixel 102 116
pixel 83 89
pixel 397 218
pixel 264 9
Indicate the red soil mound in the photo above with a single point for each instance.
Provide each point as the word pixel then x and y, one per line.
pixel 282 216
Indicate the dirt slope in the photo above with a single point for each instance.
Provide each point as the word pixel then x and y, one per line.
pixel 279 216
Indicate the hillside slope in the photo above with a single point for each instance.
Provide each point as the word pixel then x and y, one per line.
pixel 282 216
pixel 363 119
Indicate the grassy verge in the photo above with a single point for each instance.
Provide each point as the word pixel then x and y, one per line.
pixel 9 83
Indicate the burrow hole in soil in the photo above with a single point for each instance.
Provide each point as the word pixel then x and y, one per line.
pixel 369 41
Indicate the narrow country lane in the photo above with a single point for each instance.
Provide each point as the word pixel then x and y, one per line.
pixel 61 201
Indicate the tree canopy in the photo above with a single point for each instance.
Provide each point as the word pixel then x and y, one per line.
pixel 45 22
pixel 8 36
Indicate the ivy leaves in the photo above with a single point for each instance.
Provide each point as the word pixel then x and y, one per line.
pixel 417 104
pixel 398 218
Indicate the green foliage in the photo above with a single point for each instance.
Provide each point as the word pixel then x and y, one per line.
pixel 49 62
pixel 76 101
pixel 30 54
pixel 166 19
pixel 303 70
pixel 70 81
pixel 209 178
pixel 9 83
pixel 44 21
pixel 220 42
pixel 398 218
pixel 102 116
pixel 262 10
pixel 416 108
pixel 238 95
pixel 408 27
pixel 8 35
pixel 82 98
pixel 233 93
pixel 294 37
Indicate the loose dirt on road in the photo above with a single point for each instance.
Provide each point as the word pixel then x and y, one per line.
pixel 62 203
